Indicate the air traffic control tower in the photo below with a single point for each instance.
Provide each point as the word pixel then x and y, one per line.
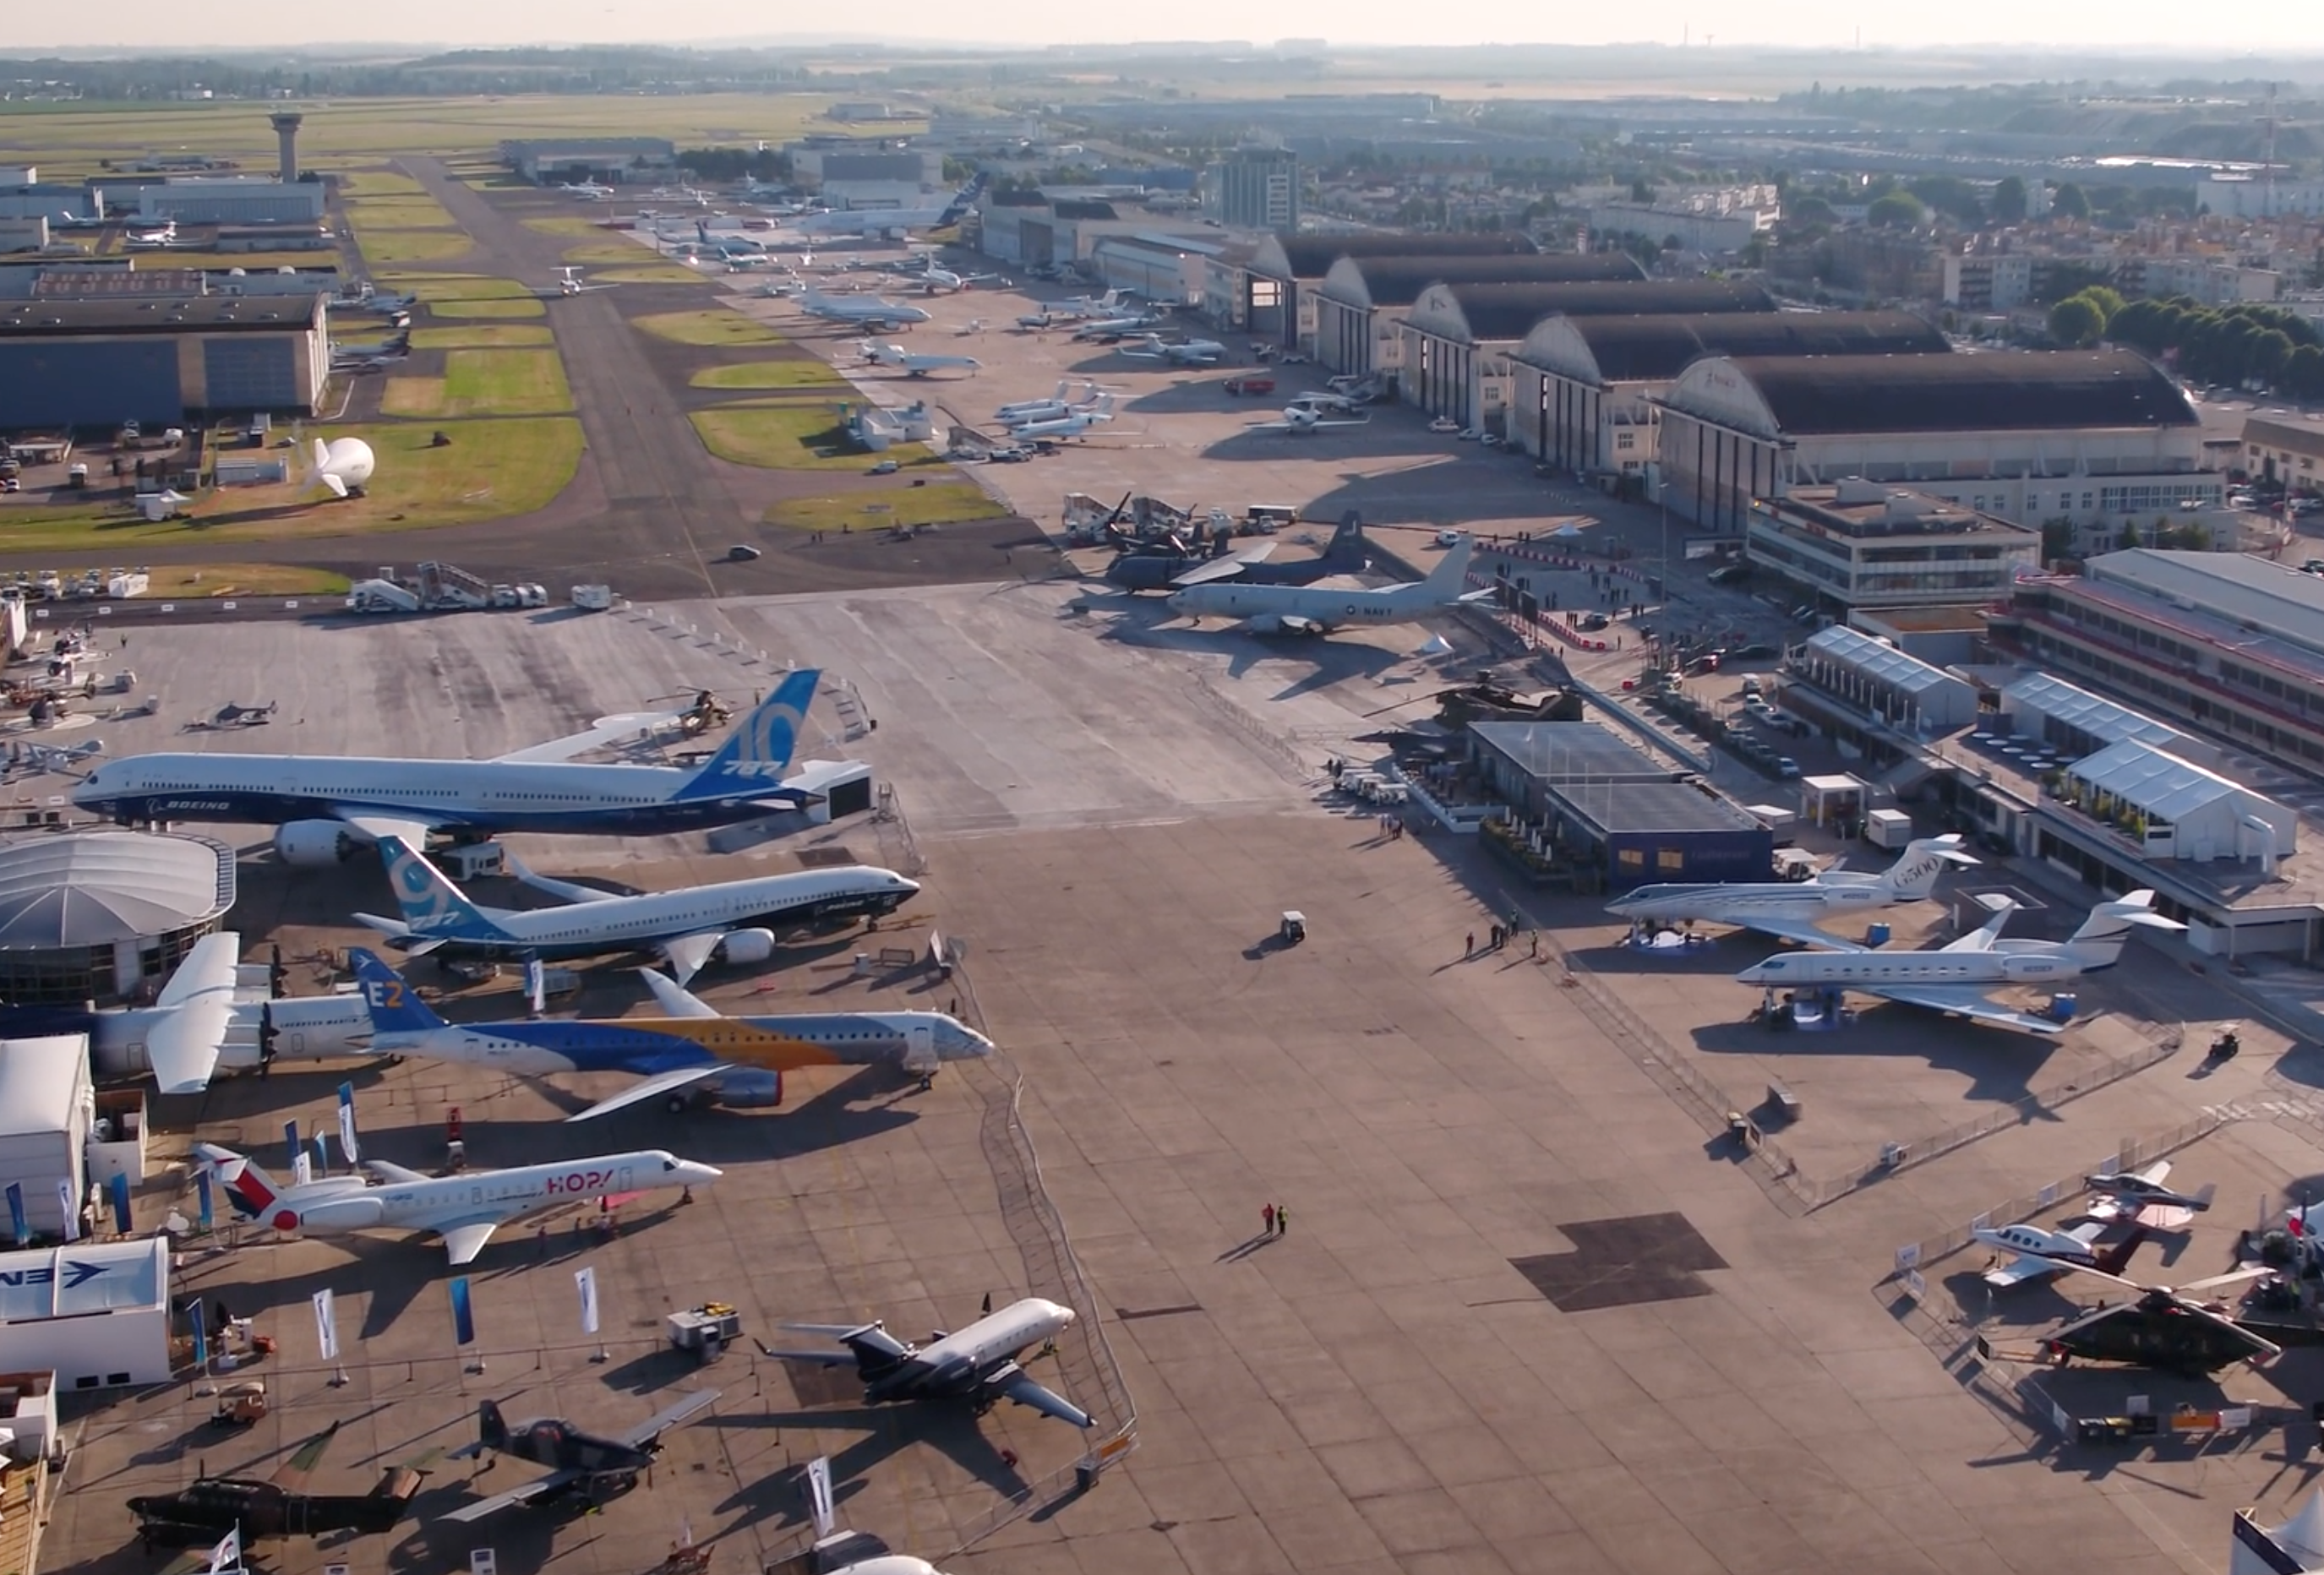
pixel 286 137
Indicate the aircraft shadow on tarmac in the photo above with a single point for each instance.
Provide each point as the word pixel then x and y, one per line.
pixel 1149 624
pixel 1261 440
pixel 951 1430
pixel 2000 1063
pixel 393 1270
pixel 1197 398
pixel 1436 494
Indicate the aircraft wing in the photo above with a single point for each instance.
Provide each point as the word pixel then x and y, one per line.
pixel 650 1088
pixel 1805 932
pixel 291 1475
pixel 553 1482
pixel 1223 568
pixel 676 999
pixel 606 729
pixel 688 954
pixel 2154 1175
pixel 2024 1266
pixel 183 1044
pixel 1023 1390
pixel 688 1406
pixel 393 1173
pixel 1968 999
pixel 1981 938
pixel 464 1235
pixel 411 833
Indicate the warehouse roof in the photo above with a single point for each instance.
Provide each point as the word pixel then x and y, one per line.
pixel 1655 349
pixel 1397 281
pixel 2093 714
pixel 2025 391
pixel 1311 256
pixel 2251 592
pixel 40 1079
pixel 2160 783
pixel 1615 808
pixel 208 314
pixel 94 889
pixel 1509 311
pixel 1877 660
pixel 84 1277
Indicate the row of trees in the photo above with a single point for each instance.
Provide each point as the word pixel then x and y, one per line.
pixel 2232 345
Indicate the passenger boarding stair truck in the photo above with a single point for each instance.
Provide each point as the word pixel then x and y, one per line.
pixel 449 585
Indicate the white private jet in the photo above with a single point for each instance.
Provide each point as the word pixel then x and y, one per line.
pixel 1106 330
pixel 588 190
pixel 977 1364
pixel 569 282
pixel 1047 409
pixel 860 311
pixel 915 365
pixel 1319 610
pixel 893 221
pixel 738 921
pixel 1185 353
pixel 1302 418
pixel 2036 1254
pixel 161 234
pixel 1075 423
pixel 1958 978
pixel 1797 910
pixel 465 1210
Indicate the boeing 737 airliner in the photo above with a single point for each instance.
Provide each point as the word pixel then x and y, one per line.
pixel 329 807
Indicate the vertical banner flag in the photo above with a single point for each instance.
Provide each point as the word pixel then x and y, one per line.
pixel 228 1555
pixel 464 1316
pixel 536 984
pixel 327 1326
pixel 71 1209
pixel 119 1187
pixel 586 1279
pixel 202 1198
pixel 16 1221
pixel 347 1124
pixel 201 1321
pixel 322 1154
pixel 303 1167
pixel 291 1145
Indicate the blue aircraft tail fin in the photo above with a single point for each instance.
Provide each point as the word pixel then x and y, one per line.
pixel 753 758
pixel 394 1006
pixel 1347 543
pixel 431 905
pixel 963 198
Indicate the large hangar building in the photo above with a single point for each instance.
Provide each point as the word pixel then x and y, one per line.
pixel 160 360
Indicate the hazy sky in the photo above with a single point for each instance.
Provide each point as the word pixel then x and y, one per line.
pixel 2296 27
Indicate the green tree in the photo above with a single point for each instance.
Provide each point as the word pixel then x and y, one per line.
pixel 1950 196
pixel 2303 373
pixel 2271 352
pixel 2106 298
pixel 2077 322
pixel 2067 202
pixel 1810 210
pixel 2058 540
pixel 1642 190
pixel 2009 199
pixel 1899 210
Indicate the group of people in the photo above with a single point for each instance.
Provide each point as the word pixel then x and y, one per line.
pixel 1275 1220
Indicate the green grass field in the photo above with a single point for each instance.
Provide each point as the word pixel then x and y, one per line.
pixel 710 326
pixel 797 372
pixel 181 582
pixel 467 295
pixel 791 435
pixel 937 504
pixel 366 181
pixel 652 273
pixel 526 308
pixel 614 252
pixel 483 383
pixel 566 223
pixel 483 336
pixel 388 247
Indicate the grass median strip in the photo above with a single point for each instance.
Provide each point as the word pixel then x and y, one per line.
pixel 484 383
pixel 797 371
pixel 710 326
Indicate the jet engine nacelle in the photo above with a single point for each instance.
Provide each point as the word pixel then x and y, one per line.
pixel 314 845
pixel 749 1088
pixel 746 945
pixel 341 1214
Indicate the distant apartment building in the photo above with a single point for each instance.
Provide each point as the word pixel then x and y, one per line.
pixel 1988 281
pixel 2250 196
pixel 1713 222
pixel 1253 188
pixel 2210 282
pixel 2284 449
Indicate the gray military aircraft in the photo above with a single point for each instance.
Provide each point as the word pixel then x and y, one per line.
pixel 581 1462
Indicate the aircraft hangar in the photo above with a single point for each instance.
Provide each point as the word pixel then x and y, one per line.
pixel 97 363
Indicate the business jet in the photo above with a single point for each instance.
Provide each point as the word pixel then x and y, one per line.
pixel 163 235
pixel 328 808
pixel 861 312
pixel 1797 910
pixel 2036 1254
pixel 1047 409
pixel 894 221
pixel 1185 353
pixel 914 365
pixel 1108 330
pixel 589 190
pixel 1318 610
pixel 691 1050
pixel 1073 424
pixel 978 1364
pixel 734 921
pixel 1958 978
pixel 465 1210
pixel 1303 418
pixel 569 282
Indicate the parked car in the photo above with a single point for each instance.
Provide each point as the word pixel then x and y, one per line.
pixel 1444 424
pixel 1786 768
pixel 741 552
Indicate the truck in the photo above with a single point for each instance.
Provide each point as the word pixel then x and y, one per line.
pixel 1888 828
pixel 520 595
pixel 1249 383
pixel 594 598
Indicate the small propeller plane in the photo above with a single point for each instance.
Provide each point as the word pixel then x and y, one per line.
pixel 580 1462
pixel 280 1505
pixel 2141 1195
pixel 2037 1254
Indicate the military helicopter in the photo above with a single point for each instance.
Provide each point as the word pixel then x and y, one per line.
pixel 2161 1327
pixel 279 1505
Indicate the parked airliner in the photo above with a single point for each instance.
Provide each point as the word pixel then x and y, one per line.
pixel 1797 910
pixel 977 1364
